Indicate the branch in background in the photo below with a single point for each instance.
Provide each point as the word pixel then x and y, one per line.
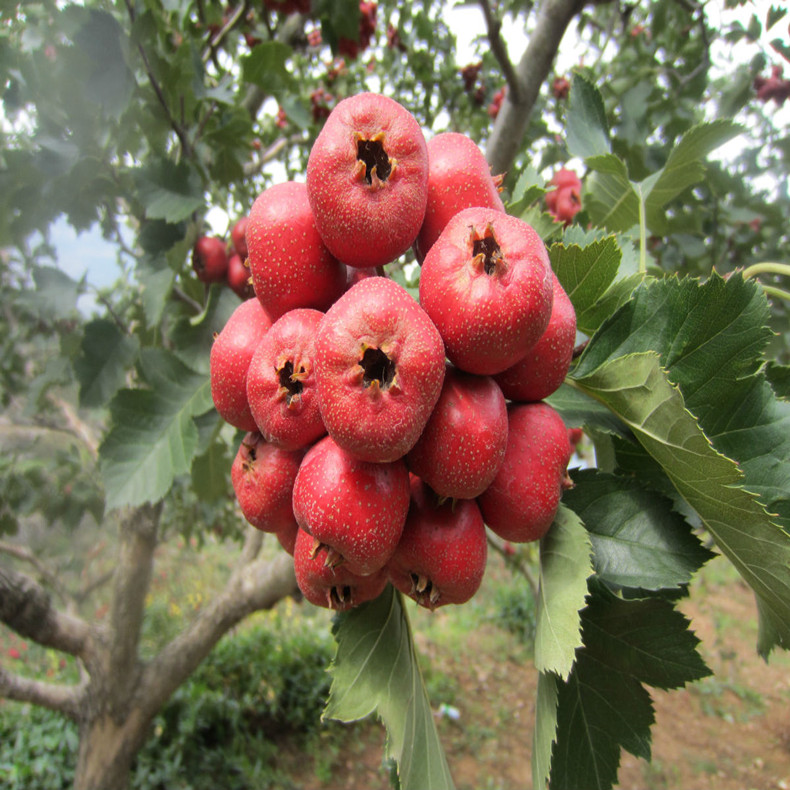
pixel 252 587
pixel 216 40
pixel 157 88
pixel 506 138
pixel 59 698
pixel 46 575
pixel 496 543
pixel 499 48
pixel 26 608
pixel 184 297
pixel 78 427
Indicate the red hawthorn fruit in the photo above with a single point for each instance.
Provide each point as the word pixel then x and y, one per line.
pixel 281 121
pixel 487 285
pixel 367 28
pixel 238 237
pixel 441 556
pixel 263 479
pixel 564 201
pixel 229 362
pixel 355 274
pixel 287 7
pixel 458 177
pixel 287 537
pixel 469 74
pixel 238 277
pixel 521 503
pixel 496 102
pixel 210 259
pixel 380 368
pixel 281 385
pixel 560 88
pixel 314 38
pixel 334 588
pixel 290 265
pixel 773 87
pixel 546 364
pixel 575 436
pixel 355 510
pixel 367 180
pixel 463 444
pixel 319 104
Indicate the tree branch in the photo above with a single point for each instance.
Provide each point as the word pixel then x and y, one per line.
pixel 505 141
pixel 26 608
pixel 253 587
pixel 56 697
pixel 138 535
pixel 499 48
pixel 50 578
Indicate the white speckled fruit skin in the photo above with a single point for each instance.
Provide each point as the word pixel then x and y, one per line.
pixel 372 424
pixel 521 502
pixel 229 362
pixel 546 364
pixel 463 444
pixel 458 177
pixel 289 263
pixel 487 321
pixel 297 422
pixel 356 507
pixel 366 225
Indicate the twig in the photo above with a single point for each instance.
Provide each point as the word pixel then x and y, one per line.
pixel 499 48
pixel 59 698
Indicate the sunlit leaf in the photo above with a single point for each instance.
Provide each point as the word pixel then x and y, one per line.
pixel 564 568
pixel 587 128
pixel 376 671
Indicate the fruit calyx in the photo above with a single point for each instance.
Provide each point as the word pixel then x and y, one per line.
pixel 291 382
pixel 333 557
pixel 373 162
pixel 486 252
pixel 424 592
pixel 337 596
pixel 378 370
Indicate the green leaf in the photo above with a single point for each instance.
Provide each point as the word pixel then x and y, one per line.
pixel 579 409
pixel 376 670
pixel 565 566
pixel 684 166
pixel 210 479
pixel 612 200
pixel 169 191
pixel 603 707
pixel 154 436
pixel 267 66
pixel 545 732
pixel 587 129
pixel 646 639
pixel 638 541
pixel 773 15
pixel 106 354
pixel 588 274
pixel 636 388
pixel 55 295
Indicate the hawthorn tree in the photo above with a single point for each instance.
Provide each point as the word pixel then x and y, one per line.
pixel 137 118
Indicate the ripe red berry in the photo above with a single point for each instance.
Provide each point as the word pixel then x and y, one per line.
pixel 487 285
pixel 564 201
pixel 229 362
pixel 239 279
pixel 237 237
pixel 560 88
pixel 263 479
pixel 522 501
pixel 210 259
pixel 354 509
pixel 281 383
pixel 333 587
pixel 441 556
pixel 463 444
pixel 458 177
pixel 379 367
pixel 367 177
pixel 546 364
pixel 290 265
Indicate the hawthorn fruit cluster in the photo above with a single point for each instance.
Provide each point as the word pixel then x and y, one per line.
pixel 383 433
pixel 215 261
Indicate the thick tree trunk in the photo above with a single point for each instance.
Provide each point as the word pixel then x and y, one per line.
pixel 107 750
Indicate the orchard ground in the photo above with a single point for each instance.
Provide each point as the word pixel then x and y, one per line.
pixel 730 731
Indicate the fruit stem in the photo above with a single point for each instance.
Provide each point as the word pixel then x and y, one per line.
pixel 776 293
pixel 767 267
